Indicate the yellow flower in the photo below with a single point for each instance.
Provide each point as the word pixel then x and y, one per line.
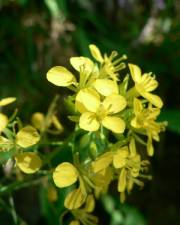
pixel 94 112
pixel 75 199
pixel 143 115
pixel 66 174
pixel 27 137
pixel 82 215
pixel 130 166
pixel 127 164
pixel 28 162
pixel 118 158
pixel 60 76
pixel 109 65
pixel 145 119
pixel 144 84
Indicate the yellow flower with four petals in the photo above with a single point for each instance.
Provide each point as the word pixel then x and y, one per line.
pixel 144 84
pixel 95 112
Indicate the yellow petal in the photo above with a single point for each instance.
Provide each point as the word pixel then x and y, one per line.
pixel 28 162
pixel 74 199
pixel 136 162
pixel 122 180
pixel 82 63
pixel 113 123
pixel 79 106
pixel 130 184
pixel 106 87
pixel 88 122
pixel 95 52
pixel 74 222
pixel 27 137
pixel 120 157
pixel 3 121
pixel 89 98
pixel 132 147
pixel 150 148
pixel 7 101
pixel 149 83
pixel 138 107
pixel 135 72
pixel 154 99
pixel 135 172
pixel 90 203
pixel 38 120
pixel 60 76
pixel 65 174
pixel 135 123
pixel 102 162
pixel 154 112
pixel 114 103
pixel 102 180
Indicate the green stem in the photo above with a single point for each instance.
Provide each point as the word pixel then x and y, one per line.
pixel 68 142
pixel 55 143
pixel 13 210
pixel 20 184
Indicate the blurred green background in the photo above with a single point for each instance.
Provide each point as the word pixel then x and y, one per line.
pixel 36 35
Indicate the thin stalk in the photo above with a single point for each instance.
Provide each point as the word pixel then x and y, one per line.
pixel 13 210
pixel 20 184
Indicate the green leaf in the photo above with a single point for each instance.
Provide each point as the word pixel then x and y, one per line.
pixel 4 156
pixel 122 214
pixel 81 39
pixel 132 215
pixel 173 118
pixel 52 211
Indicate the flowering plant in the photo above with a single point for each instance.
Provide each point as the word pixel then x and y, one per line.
pixel 114 119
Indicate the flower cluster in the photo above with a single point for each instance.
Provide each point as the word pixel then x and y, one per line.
pixel 114 114
pixel 21 141
pixel 27 161
pixel 119 120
